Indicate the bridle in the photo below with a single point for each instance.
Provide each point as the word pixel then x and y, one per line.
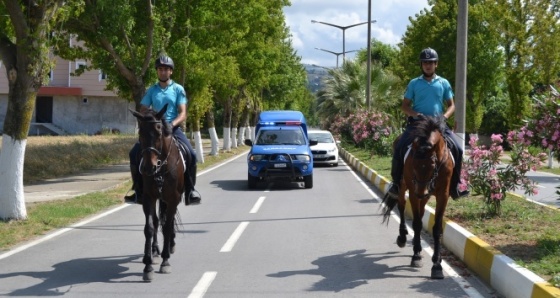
pixel 431 182
pixel 160 163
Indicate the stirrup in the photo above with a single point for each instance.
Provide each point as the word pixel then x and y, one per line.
pixel 192 198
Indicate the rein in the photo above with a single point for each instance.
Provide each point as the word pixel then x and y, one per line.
pixel 432 181
pixel 158 173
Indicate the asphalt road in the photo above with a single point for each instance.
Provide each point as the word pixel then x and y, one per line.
pixel 280 240
pixel 546 187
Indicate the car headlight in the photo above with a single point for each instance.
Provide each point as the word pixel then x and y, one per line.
pixel 256 157
pixel 303 158
pixel 331 150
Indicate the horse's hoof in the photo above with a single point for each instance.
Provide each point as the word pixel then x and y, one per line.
pixel 148 276
pixel 416 262
pixel 156 260
pixel 401 241
pixel 437 272
pixel 165 269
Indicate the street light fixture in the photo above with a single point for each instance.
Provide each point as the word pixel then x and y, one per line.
pixel 335 53
pixel 343 28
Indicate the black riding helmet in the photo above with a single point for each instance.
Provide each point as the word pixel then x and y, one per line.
pixel 164 61
pixel 428 54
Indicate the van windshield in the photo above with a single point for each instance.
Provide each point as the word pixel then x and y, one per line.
pixel 280 137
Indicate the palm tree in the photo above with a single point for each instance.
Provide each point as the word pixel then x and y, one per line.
pixel 344 90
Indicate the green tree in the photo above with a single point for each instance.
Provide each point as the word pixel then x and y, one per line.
pixel 24 50
pixel 124 50
pixel 344 90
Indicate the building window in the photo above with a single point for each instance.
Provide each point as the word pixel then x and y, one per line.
pixel 102 76
pixel 80 64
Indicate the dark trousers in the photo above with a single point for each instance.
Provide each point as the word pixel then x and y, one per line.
pixel 397 163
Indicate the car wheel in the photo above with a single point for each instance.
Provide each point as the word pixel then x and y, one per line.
pixel 252 181
pixel 308 181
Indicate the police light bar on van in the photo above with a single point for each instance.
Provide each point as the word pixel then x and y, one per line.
pixel 274 123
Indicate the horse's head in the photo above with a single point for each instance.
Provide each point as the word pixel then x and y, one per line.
pixel 153 130
pixel 428 141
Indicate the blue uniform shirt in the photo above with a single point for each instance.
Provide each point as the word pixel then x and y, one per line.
pixel 428 97
pixel 173 95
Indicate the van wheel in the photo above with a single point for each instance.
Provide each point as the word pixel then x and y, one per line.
pixel 308 181
pixel 252 181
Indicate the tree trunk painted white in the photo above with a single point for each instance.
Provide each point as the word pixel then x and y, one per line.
pixel 12 196
pixel 251 134
pixel 241 136
pixel 227 139
pixel 214 140
pixel 234 137
pixel 198 146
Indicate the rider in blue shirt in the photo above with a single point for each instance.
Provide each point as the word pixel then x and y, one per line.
pixel 430 95
pixel 157 96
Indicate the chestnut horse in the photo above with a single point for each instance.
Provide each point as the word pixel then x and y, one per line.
pixel 162 170
pixel 428 168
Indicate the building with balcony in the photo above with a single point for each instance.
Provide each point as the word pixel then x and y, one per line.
pixel 74 104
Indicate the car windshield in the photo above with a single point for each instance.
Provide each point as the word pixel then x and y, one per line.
pixel 281 137
pixel 321 137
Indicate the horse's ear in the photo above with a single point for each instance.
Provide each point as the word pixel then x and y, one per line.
pixel 159 115
pixel 135 114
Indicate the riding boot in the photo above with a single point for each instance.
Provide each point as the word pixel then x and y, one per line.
pixel 136 186
pixel 456 180
pixel 192 196
pixel 396 175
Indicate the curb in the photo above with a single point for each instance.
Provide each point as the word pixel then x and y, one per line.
pixel 495 268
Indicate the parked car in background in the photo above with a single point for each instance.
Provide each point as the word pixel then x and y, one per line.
pixel 326 150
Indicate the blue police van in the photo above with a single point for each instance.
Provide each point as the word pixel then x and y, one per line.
pixel 280 149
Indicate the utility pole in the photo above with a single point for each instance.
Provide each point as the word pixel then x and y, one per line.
pixel 461 71
pixel 368 83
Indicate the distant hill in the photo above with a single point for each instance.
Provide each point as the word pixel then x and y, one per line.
pixel 315 75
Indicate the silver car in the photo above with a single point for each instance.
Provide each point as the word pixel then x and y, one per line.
pixel 326 150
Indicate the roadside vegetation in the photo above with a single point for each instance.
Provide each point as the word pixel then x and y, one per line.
pixel 524 231
pixel 52 157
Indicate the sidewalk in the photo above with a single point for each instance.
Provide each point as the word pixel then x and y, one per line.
pixel 100 179
pixel 68 187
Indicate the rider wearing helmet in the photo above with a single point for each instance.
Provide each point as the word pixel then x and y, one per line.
pixel 166 91
pixel 430 95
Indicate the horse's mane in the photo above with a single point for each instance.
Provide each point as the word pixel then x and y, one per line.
pixel 150 116
pixel 422 130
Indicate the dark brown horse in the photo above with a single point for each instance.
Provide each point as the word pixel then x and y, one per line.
pixel 427 171
pixel 162 171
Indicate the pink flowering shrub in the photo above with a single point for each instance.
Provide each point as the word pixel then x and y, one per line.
pixel 486 175
pixel 544 128
pixel 367 129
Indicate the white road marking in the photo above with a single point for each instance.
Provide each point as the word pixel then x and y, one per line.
pixel 59 232
pixel 257 205
pixel 234 237
pixel 203 284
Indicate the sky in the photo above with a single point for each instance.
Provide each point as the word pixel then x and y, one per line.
pixel 391 18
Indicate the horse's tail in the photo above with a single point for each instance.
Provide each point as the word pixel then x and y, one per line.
pixel 388 204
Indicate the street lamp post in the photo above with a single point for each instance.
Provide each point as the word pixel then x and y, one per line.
pixel 343 28
pixel 335 53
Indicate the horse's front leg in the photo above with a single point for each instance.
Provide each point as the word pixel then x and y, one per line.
pixel 155 245
pixel 418 213
pixel 403 231
pixel 148 273
pixel 168 232
pixel 437 270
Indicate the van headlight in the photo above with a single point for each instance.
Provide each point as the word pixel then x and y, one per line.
pixel 303 158
pixel 256 157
